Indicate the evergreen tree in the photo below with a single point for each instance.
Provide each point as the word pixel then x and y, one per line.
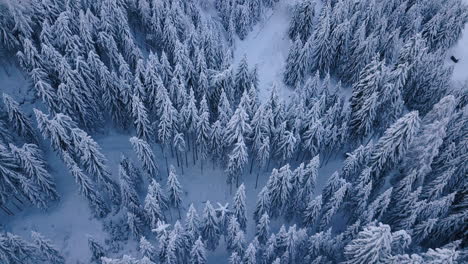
pixel 242 79
pixel 19 121
pixel 168 121
pixel 209 227
pixel 373 244
pixel 97 251
pixel 134 224
pixel 250 255
pixel 312 212
pixel 378 207
pixel 224 109
pixel 130 199
pixel 308 180
pixel 146 248
pixel 203 129
pixel 263 229
pixel 240 208
pixel 198 253
pixel 140 116
pixel 16 250
pixel 153 209
pixel 263 204
pixel 301 24
pixel 47 250
pixel 146 156
pixel 30 159
pixel 237 160
pixel 192 223
pixel 238 243
pixel 174 189
pixel 233 229
pixel 292 71
pixel 235 258
pixel 279 187
pixel 321 51
pixel 395 141
pixel 86 187
pixel 365 98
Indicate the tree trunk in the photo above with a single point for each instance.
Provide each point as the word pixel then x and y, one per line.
pixel 251 165
pixel 268 164
pixel 6 210
pixel 18 199
pixel 167 165
pixel 17 207
pixel 256 181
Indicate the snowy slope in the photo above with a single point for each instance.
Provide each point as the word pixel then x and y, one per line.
pixel 460 51
pixel 267 47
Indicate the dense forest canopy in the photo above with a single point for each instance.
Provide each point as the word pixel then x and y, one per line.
pixel 372 100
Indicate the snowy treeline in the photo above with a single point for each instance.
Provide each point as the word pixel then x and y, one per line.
pixel 161 71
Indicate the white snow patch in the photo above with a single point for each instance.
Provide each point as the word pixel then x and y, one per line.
pixel 460 51
pixel 267 47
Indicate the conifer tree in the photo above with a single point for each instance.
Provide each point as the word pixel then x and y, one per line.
pixel 312 211
pixel 232 229
pixel 97 251
pixel 308 180
pixel 235 258
pixel 30 159
pixel 153 210
pixel 140 116
pixel 224 108
pixel 238 243
pixel 134 224
pixel 292 72
pixel 47 250
pixel 192 223
pixel 395 141
pixel 146 156
pixel 279 187
pixel 263 229
pixel 94 162
pixel 263 204
pixel 128 190
pixel 238 126
pixel 209 227
pixel 168 121
pixel 237 161
pixel 242 79
pixel 203 129
pixel 198 252
pixel 240 207
pixel 321 51
pixel 301 24
pixel 19 121
pixel 174 189
pixel 373 244
pixel 250 255
pixel 16 250
pixel 86 187
pixel 155 190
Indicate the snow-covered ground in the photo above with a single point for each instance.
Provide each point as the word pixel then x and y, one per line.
pixel 460 51
pixel 267 47
pixel 69 221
